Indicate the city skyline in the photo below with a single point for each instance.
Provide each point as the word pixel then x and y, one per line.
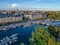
pixel 30 4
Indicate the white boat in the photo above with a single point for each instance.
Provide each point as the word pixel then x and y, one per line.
pixel 13 35
pixel 9 40
pixel 27 25
pixel 4 29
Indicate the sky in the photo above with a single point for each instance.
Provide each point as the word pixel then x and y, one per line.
pixel 30 4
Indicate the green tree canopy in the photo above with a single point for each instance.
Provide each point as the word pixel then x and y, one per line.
pixel 42 36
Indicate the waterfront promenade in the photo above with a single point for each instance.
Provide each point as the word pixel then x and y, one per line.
pixel 19 24
pixel 25 24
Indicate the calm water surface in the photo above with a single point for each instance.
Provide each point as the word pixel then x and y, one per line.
pixel 24 34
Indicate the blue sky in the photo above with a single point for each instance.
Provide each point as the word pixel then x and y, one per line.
pixel 30 4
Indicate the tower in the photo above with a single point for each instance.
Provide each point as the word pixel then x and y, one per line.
pixel 17 12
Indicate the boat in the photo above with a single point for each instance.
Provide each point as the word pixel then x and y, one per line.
pixel 4 29
pixel 14 35
pixel 27 25
pixel 9 40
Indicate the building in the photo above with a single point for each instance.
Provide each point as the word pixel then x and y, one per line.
pixel 10 19
pixel 35 16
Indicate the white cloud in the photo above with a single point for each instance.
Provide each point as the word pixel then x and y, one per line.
pixel 15 5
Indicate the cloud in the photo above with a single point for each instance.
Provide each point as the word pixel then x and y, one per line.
pixel 15 5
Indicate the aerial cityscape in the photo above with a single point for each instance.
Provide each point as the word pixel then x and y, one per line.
pixel 29 22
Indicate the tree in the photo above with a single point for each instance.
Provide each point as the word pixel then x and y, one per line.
pixel 42 36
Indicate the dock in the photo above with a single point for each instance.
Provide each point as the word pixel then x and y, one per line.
pixel 25 24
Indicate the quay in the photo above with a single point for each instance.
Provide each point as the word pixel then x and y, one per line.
pixel 24 24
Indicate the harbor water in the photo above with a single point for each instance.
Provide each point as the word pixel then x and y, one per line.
pixel 24 33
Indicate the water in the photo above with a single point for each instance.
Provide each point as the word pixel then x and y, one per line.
pixel 24 34
pixel 57 23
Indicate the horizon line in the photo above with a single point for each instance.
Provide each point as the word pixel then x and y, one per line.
pixel 39 9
